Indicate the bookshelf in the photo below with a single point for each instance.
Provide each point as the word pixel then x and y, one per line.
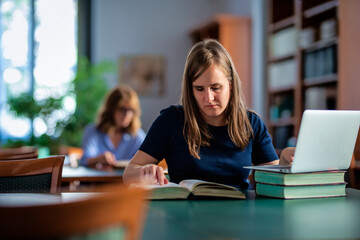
pixel 234 33
pixel 302 65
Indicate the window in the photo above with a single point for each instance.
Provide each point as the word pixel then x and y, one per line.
pixel 38 57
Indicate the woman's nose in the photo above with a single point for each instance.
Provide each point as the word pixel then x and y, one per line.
pixel 209 95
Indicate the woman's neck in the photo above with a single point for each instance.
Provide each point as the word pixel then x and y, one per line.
pixel 115 135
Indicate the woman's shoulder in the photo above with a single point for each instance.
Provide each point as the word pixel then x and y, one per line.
pixel 254 118
pixel 173 111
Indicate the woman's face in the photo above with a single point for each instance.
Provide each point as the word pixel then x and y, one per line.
pixel 123 114
pixel 212 95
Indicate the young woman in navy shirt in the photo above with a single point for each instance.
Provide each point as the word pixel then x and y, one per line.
pixel 212 135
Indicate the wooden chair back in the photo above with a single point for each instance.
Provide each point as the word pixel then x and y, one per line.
pixel 31 175
pixel 106 212
pixel 18 153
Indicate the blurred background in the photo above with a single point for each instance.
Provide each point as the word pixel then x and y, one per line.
pixel 60 57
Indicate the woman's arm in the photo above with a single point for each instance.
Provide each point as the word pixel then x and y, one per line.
pixel 286 157
pixel 143 168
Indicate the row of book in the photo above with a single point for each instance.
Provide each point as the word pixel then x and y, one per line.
pixel 300 185
pixel 321 62
pixel 282 74
pixel 283 43
pixel 326 31
pixel 320 98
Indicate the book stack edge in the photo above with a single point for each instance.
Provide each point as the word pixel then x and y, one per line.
pixel 300 185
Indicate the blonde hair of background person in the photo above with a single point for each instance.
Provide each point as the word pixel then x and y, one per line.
pixel 117 134
pixel 212 135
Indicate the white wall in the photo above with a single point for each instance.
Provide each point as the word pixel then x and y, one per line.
pixel 160 27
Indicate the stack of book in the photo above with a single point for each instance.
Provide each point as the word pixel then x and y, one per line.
pixel 300 185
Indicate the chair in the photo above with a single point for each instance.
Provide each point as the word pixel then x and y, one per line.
pixel 104 215
pixel 18 153
pixel 31 175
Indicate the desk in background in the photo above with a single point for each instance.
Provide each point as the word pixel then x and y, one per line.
pixel 73 177
pixel 255 218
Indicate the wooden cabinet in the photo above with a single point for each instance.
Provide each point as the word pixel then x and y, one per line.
pixel 302 68
pixel 234 33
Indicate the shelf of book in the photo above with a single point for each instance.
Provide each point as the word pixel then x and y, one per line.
pixel 304 75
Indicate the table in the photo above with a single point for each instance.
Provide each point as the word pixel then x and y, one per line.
pixel 85 174
pixel 33 199
pixel 73 177
pixel 255 218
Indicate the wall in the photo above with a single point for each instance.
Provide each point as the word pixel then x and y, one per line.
pixel 161 27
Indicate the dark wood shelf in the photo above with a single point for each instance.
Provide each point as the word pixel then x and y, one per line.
pixel 320 81
pixel 281 58
pixel 321 44
pixel 312 12
pixel 281 90
pixel 287 22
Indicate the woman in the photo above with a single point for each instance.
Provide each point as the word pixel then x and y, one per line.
pixel 118 133
pixel 212 135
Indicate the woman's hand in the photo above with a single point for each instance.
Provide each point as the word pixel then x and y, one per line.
pixel 152 174
pixel 103 161
pixel 109 158
pixel 287 156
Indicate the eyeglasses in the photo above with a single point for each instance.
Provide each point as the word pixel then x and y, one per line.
pixel 125 110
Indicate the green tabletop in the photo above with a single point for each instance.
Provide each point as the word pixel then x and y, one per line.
pixel 255 218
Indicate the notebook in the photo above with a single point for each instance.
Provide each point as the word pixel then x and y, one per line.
pixel 325 142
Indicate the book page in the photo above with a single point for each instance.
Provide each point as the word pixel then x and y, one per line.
pixel 166 191
pixel 194 183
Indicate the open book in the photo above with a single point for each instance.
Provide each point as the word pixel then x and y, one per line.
pixel 192 188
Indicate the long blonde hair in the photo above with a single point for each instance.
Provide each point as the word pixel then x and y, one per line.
pixel 115 96
pixel 196 132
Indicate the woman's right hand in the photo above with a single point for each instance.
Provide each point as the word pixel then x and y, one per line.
pixel 152 174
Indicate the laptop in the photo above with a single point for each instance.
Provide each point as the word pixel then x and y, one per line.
pixel 325 142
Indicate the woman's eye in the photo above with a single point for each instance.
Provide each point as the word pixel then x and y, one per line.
pixel 199 89
pixel 216 88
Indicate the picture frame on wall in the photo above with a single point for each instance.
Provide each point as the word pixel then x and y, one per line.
pixel 144 73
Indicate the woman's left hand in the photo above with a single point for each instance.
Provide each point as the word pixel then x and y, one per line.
pixel 287 156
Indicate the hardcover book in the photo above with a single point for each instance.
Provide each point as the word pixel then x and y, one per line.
pixel 291 179
pixel 297 192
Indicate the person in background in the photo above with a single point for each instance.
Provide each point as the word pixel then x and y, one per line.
pixel 212 135
pixel 117 134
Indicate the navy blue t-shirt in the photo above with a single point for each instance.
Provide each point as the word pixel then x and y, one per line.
pixel 221 162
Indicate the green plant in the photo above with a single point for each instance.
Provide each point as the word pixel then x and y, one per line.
pixel 89 89
pixel 25 106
